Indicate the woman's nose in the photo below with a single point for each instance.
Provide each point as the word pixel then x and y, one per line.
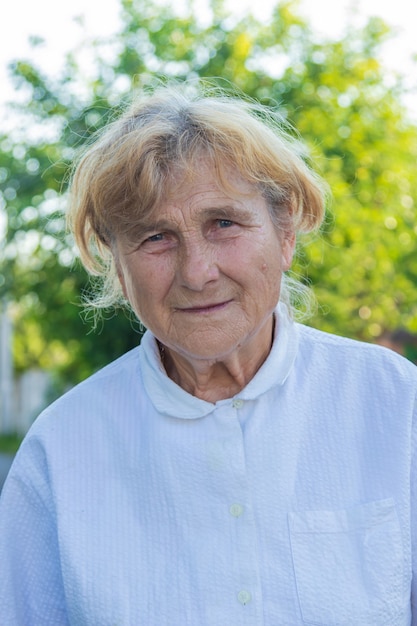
pixel 198 266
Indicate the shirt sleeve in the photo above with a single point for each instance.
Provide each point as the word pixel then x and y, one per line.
pixel 414 518
pixel 31 591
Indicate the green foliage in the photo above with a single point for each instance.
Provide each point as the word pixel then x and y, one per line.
pixel 9 444
pixel 363 265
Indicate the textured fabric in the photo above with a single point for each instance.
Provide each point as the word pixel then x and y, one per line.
pixel 134 503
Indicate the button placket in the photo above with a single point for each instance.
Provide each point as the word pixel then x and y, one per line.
pixel 230 465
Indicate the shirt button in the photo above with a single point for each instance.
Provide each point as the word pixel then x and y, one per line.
pixel 244 596
pixel 237 403
pixel 236 510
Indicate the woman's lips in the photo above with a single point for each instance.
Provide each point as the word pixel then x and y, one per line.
pixel 205 308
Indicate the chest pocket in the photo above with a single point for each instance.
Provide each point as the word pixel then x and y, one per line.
pixel 349 565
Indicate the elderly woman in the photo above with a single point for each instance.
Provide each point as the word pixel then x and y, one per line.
pixel 237 468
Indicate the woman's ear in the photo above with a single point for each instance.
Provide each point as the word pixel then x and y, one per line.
pixel 122 281
pixel 119 271
pixel 287 250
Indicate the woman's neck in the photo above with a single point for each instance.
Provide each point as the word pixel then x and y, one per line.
pixel 217 379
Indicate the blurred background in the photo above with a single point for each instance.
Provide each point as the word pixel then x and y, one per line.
pixel 343 74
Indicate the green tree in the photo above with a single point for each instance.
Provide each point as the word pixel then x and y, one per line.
pixel 363 265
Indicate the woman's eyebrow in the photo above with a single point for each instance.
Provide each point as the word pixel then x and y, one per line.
pixel 146 226
pixel 229 212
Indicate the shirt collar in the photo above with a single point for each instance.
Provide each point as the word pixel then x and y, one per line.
pixel 170 399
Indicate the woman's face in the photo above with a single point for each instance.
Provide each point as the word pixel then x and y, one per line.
pixel 204 271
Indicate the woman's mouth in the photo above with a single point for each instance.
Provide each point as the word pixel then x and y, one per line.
pixel 206 308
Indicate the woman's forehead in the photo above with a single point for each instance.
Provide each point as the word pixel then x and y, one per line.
pixel 205 172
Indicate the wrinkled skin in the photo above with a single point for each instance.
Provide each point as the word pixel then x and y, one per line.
pixel 204 276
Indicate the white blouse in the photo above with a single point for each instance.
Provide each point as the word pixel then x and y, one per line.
pixel 133 503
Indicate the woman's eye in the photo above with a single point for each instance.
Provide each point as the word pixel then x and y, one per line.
pixel 159 242
pixel 225 223
pixel 155 238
